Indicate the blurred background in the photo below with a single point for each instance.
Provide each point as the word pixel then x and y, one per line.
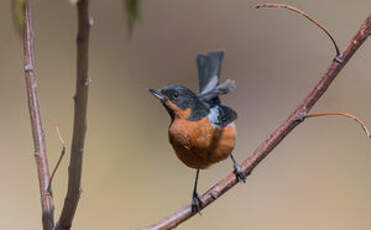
pixel 317 178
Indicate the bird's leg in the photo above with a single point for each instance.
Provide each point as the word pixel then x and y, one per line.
pixel 240 175
pixel 196 199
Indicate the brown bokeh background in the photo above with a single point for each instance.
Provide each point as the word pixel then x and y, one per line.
pixel 317 178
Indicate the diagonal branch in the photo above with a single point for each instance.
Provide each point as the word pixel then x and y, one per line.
pixel 276 136
pixel 47 203
pixel 80 120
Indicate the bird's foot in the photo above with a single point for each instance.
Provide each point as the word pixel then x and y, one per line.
pixel 196 203
pixel 240 175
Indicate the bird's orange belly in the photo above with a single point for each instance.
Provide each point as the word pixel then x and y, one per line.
pixel 198 144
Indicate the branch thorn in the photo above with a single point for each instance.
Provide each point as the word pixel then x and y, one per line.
pixel 301 116
pixel 214 194
pixel 28 68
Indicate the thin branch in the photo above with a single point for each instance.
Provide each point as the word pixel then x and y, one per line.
pixel 60 157
pixel 47 203
pixel 310 18
pixel 275 137
pixel 364 127
pixel 80 118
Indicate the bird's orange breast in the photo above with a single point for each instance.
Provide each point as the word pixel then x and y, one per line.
pixel 199 144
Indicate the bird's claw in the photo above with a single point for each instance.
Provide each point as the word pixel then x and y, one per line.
pixel 196 203
pixel 240 175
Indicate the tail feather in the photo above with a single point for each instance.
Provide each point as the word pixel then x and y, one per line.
pixel 209 67
pixel 221 89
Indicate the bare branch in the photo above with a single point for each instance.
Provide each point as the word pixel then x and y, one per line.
pixel 310 18
pixel 364 127
pixel 60 157
pixel 47 203
pixel 275 137
pixel 80 118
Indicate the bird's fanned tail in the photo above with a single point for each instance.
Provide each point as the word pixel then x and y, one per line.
pixel 209 67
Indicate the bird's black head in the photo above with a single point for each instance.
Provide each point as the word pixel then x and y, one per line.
pixel 180 101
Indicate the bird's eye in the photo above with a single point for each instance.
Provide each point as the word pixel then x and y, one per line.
pixel 176 94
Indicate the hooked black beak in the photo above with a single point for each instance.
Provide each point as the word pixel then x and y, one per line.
pixel 158 94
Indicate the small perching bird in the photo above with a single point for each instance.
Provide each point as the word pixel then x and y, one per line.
pixel 202 130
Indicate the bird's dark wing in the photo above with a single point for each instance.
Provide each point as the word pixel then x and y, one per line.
pixel 222 115
pixel 209 67
pixel 227 115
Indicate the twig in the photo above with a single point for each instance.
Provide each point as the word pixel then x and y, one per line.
pixel 310 18
pixel 275 137
pixel 364 127
pixel 60 157
pixel 47 203
pixel 80 122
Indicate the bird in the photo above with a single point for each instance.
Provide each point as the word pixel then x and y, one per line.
pixel 202 130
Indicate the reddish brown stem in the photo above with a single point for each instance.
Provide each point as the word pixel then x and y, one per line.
pixel 47 203
pixel 364 127
pixel 60 157
pixel 310 18
pixel 80 118
pixel 276 136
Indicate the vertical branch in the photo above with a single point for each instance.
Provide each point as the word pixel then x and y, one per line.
pixel 47 203
pixel 80 123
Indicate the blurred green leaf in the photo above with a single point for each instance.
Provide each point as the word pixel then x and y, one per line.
pixel 133 12
pixel 18 12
